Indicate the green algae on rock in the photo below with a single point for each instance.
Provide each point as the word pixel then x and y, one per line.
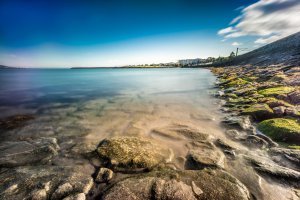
pixel 281 129
pixel 132 153
pixel 276 91
pixel 259 112
pixel 237 82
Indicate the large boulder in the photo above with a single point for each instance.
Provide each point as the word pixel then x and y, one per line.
pixel 177 185
pixel 132 153
pixel 281 130
pixel 17 153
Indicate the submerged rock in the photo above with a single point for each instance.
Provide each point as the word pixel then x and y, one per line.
pixel 14 121
pixel 255 141
pixel 204 154
pixel 132 153
pixel 190 185
pixel 289 154
pixel 17 153
pixel 224 145
pixel 232 133
pixel 45 182
pixel 180 132
pixel 240 121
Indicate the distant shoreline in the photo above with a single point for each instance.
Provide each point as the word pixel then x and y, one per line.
pixel 137 67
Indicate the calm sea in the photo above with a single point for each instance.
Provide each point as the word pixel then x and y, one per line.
pixel 27 90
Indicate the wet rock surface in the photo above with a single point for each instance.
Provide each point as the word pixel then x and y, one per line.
pixel 206 184
pixel 132 153
pixel 45 182
pixel 270 95
pixel 15 121
pixel 17 153
pixel 205 155
pixel 181 132
pixel 275 170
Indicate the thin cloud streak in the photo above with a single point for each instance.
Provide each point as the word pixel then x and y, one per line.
pixel 270 20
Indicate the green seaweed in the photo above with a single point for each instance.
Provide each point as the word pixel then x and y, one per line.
pixel 281 129
pixel 236 82
pixel 276 91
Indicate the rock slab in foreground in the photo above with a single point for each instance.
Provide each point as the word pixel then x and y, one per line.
pixel 178 185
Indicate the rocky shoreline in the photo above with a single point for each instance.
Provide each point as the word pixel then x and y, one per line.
pixel 265 103
pixel 192 163
pixel 269 95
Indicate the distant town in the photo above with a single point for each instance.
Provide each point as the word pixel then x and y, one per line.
pixel 196 62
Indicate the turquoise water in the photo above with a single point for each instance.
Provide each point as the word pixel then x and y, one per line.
pixel 26 90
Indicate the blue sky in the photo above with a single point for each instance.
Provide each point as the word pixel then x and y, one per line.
pixel 120 32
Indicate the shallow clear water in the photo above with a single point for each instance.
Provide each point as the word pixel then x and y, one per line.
pixel 33 88
pixel 81 107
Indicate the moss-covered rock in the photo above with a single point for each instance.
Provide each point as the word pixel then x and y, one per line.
pixel 236 82
pixel 242 100
pixel 132 153
pixel 259 112
pixel 281 130
pixel 230 95
pixel 245 91
pixel 274 91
